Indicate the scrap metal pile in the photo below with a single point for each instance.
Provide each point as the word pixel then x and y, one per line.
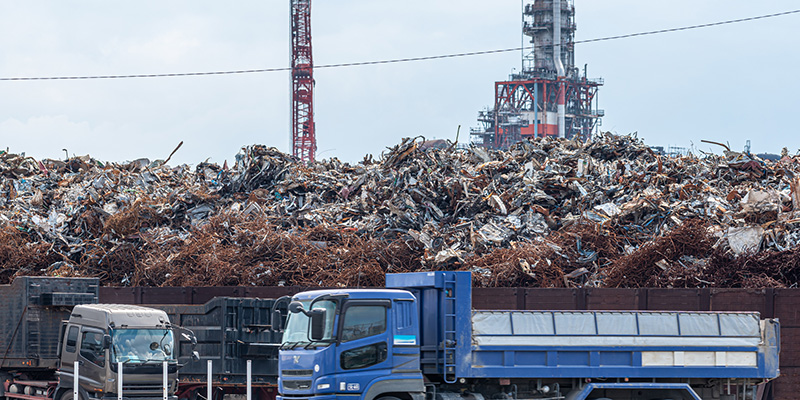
pixel 546 213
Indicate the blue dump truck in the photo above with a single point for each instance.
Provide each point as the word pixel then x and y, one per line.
pixel 419 339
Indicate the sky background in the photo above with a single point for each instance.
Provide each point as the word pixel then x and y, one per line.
pixel 728 83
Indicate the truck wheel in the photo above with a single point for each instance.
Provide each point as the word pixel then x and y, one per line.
pixel 68 395
pixel 197 394
pixel 201 394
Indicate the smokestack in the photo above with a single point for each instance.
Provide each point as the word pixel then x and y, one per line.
pixel 557 38
pixel 562 108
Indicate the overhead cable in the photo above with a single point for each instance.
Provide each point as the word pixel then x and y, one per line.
pixel 398 60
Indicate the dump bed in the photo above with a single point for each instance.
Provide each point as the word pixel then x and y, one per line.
pixel 229 332
pixel 622 344
pixel 457 342
pixel 31 314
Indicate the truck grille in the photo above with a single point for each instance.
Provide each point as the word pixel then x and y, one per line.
pixel 144 390
pixel 297 372
pixel 296 385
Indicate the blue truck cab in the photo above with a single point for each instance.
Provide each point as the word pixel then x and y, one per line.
pixel 419 339
pixel 368 345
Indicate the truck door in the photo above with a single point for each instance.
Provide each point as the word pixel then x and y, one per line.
pixel 69 354
pixel 364 344
pixel 93 358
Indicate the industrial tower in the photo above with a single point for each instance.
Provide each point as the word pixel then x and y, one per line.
pixel 304 140
pixel 550 96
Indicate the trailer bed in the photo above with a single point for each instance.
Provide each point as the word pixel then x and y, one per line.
pixel 31 310
pixel 621 344
pixel 229 332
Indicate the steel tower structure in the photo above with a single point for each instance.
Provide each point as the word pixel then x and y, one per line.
pixel 304 140
pixel 550 96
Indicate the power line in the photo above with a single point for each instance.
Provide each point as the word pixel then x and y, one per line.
pixel 54 78
pixel 686 28
pixel 401 60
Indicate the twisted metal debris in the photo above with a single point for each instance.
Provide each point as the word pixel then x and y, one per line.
pixel 547 212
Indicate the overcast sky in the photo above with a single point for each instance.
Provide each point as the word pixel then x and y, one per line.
pixel 729 83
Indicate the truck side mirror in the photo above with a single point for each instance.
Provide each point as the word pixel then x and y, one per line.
pixel 190 337
pixel 296 307
pixel 277 321
pixel 106 342
pixel 195 356
pixel 317 323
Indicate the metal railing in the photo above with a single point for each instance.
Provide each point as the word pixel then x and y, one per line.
pixel 165 381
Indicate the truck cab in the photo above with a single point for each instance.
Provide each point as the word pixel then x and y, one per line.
pixel 99 336
pixel 339 342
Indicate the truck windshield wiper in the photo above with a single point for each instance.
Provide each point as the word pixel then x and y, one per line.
pixel 153 361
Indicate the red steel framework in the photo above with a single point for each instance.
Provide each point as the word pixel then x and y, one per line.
pixel 304 140
pixel 549 96
pixel 516 98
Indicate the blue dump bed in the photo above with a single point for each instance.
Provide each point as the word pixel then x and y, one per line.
pixel 457 342
pixel 621 344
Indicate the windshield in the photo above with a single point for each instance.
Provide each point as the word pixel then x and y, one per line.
pixel 142 345
pixel 297 329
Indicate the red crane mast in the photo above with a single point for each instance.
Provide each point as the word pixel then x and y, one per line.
pixel 304 140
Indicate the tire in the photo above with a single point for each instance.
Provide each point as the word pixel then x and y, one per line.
pixel 260 393
pixel 201 393
pixel 68 395
pixel 198 394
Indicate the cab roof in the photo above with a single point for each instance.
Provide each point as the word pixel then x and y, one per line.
pixel 360 294
pixel 119 315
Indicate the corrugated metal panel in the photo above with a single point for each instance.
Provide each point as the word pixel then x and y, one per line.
pixel 496 298
pixel 786 301
pixel 166 295
pixel 790 347
pixel 788 385
pixel 674 299
pixel 738 299
pixel 551 299
pixel 119 295
pixel 613 299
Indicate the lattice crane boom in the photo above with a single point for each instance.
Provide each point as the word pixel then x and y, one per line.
pixel 304 141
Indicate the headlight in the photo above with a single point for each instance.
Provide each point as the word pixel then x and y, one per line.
pixel 323 386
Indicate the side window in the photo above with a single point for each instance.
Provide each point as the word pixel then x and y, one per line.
pixel 403 314
pixel 72 339
pixel 364 356
pixel 363 321
pixel 92 348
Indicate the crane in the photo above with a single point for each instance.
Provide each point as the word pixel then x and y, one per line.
pixel 304 141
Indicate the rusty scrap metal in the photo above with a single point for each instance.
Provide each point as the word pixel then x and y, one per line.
pixel 548 212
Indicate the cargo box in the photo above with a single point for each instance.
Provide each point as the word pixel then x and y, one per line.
pixel 32 311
